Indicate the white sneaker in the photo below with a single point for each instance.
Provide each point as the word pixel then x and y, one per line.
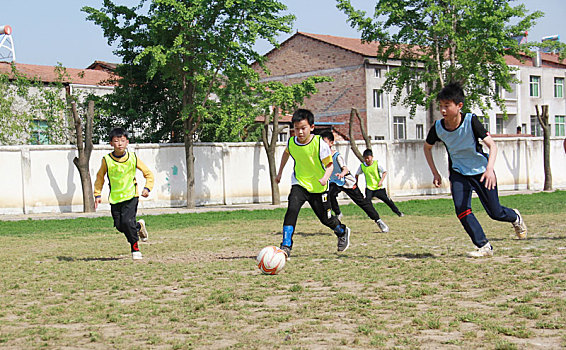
pixel 137 255
pixel 383 226
pixel 486 250
pixel 340 217
pixel 519 226
pixel 143 231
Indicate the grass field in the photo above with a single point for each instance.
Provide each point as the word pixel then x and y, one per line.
pixel 71 284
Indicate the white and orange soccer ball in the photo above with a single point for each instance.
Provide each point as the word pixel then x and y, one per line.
pixel 271 260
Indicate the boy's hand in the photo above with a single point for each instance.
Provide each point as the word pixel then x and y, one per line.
pixel 145 192
pixel 278 178
pixel 380 184
pixel 490 179
pixel 97 201
pixel 339 175
pixel 437 180
pixel 323 181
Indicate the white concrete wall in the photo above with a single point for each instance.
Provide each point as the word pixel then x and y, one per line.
pixel 37 179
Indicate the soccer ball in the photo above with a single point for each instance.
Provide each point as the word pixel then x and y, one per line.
pixel 271 260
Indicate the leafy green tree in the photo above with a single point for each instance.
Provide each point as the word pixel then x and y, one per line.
pixel 438 41
pixel 276 99
pixel 198 46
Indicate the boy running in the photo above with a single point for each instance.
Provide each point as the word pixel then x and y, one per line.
pixel 469 167
pixel 312 169
pixel 342 180
pixel 375 175
pixel 121 165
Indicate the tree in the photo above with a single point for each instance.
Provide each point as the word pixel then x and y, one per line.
pixel 354 113
pixel 543 120
pixel 85 150
pixel 438 41
pixel 276 99
pixel 28 106
pixel 199 47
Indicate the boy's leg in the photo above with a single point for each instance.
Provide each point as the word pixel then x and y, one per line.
pixel 333 198
pixel 129 225
pixel 321 207
pixel 357 197
pixel 490 201
pixel 382 195
pixel 297 197
pixel 462 195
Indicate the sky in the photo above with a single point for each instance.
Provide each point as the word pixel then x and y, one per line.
pixel 52 32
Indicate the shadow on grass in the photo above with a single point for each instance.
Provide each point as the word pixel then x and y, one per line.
pixel 415 256
pixel 70 259
pixel 235 257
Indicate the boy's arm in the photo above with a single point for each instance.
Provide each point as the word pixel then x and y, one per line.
pixel 344 168
pixel 99 182
pixel 383 175
pixel 284 159
pixel 489 174
pixel 437 179
pixel 148 175
pixel 327 174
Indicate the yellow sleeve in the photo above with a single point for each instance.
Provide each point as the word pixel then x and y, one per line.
pixel 100 178
pixel 147 174
pixel 327 161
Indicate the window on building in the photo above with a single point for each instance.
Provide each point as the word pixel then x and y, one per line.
pixel 379 138
pixel 282 137
pixel 38 135
pixel 559 87
pixel 499 125
pixel 536 129
pixel 420 131
pixel 399 128
pixel 377 72
pixel 377 99
pixel 484 121
pixel 534 86
pixel 559 125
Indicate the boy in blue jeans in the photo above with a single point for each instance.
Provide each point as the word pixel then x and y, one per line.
pixel 312 169
pixel 469 167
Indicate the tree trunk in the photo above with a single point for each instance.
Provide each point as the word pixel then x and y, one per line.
pixel 543 120
pixel 190 161
pixel 85 150
pixel 353 145
pixel 270 148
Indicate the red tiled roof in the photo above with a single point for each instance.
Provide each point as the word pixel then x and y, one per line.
pixel 102 65
pixel 48 74
pixel 370 49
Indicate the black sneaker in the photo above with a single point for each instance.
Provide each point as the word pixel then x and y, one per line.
pixel 287 251
pixel 344 240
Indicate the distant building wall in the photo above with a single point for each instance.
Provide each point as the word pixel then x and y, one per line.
pixel 40 179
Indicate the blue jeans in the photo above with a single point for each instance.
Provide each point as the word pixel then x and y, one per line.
pixel 461 187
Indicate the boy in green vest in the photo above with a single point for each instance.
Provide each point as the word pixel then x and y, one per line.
pixel 312 169
pixel 375 175
pixel 121 165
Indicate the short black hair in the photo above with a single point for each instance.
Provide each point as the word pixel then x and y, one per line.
pixel 452 92
pixel 368 152
pixel 118 132
pixel 302 114
pixel 327 134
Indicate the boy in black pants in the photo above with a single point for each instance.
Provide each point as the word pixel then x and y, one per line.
pixel 342 180
pixel 313 167
pixel 375 175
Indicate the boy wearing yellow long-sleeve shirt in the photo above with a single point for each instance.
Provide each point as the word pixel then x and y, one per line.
pixel 120 166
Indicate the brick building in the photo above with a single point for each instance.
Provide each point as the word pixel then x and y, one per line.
pixel 358 75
